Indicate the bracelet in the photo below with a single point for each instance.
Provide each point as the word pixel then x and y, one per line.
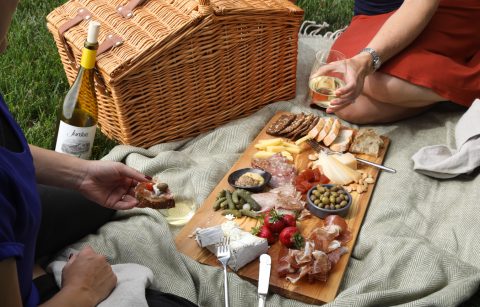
pixel 376 61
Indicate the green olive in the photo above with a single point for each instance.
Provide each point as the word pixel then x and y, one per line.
pixel 332 199
pixel 325 200
pixel 316 201
pixel 320 189
pixel 335 194
pixel 338 200
pixel 337 207
pixel 343 203
pixel 326 194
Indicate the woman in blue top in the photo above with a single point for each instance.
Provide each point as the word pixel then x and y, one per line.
pixel 87 277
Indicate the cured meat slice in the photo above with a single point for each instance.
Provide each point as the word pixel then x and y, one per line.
pixel 335 255
pixel 282 171
pixel 322 237
pixel 280 124
pixel 284 197
pixel 320 268
pixel 304 270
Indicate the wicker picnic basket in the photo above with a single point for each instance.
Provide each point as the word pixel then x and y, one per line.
pixel 171 69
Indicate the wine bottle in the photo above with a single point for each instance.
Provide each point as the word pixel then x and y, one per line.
pixel 78 114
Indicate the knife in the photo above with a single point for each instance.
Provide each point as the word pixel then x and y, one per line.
pixel 319 147
pixel 263 278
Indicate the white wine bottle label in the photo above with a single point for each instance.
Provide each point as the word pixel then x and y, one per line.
pixel 75 141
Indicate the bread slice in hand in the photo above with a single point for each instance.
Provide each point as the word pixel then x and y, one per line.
pixel 326 129
pixel 155 195
pixel 343 140
pixel 333 133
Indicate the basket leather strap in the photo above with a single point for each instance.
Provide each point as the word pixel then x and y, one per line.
pixel 82 14
pixel 127 10
pixel 111 41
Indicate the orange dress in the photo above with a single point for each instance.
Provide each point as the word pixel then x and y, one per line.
pixel 445 57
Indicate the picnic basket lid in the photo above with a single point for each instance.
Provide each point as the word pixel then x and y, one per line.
pixel 153 26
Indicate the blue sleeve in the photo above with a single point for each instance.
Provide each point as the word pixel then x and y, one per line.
pixel 8 246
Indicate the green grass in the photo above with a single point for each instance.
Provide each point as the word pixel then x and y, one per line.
pixel 34 84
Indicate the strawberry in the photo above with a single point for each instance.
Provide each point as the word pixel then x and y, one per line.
pixel 274 221
pixel 291 238
pixel 264 232
pixel 290 220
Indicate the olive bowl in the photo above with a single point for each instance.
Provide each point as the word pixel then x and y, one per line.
pixel 233 177
pixel 323 212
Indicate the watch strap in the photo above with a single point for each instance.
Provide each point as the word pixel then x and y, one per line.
pixel 376 61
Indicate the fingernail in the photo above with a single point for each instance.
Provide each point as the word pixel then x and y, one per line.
pixel 148 177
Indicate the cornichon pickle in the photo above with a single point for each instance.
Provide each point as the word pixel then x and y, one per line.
pixel 235 197
pixel 235 213
pixel 224 204
pixel 228 195
pixel 221 193
pixel 248 198
pixel 249 213
pixel 216 204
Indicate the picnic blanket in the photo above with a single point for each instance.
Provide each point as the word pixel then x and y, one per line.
pixel 418 245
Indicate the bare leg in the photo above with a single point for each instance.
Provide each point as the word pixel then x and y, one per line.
pixel 366 110
pixel 387 99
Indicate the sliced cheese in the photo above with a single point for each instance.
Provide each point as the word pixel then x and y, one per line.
pixel 263 154
pixel 347 159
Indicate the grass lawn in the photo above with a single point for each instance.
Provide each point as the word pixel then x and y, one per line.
pixel 34 84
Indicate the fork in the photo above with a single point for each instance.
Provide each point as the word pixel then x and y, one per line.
pixel 319 147
pixel 223 255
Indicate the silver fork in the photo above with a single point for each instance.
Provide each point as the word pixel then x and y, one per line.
pixel 319 147
pixel 223 255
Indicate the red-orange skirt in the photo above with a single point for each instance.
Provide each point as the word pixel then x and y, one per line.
pixel 445 57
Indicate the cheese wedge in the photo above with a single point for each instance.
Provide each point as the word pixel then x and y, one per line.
pixel 244 247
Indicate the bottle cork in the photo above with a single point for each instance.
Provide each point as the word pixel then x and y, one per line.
pixel 93 29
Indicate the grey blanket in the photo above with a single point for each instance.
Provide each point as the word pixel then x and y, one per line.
pixel 418 245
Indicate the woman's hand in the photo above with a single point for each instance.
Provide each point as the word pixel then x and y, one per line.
pixel 88 275
pixel 111 184
pixel 357 69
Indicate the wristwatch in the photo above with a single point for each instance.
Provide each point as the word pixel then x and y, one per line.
pixel 377 62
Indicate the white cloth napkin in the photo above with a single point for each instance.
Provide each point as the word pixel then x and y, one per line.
pixel 132 280
pixel 440 161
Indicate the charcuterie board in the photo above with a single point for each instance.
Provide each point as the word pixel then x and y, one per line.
pixel 314 293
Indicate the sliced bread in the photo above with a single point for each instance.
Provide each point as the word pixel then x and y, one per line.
pixel 325 130
pixel 312 134
pixel 343 140
pixel 333 133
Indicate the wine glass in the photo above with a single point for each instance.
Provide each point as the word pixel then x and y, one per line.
pixel 181 185
pixel 327 75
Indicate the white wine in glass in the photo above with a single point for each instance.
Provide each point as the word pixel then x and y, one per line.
pixel 327 75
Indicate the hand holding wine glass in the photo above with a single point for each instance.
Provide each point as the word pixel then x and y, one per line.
pixel 327 75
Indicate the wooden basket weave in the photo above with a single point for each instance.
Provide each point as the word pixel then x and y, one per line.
pixel 171 69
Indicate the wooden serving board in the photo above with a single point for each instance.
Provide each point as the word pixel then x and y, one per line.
pixel 313 293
